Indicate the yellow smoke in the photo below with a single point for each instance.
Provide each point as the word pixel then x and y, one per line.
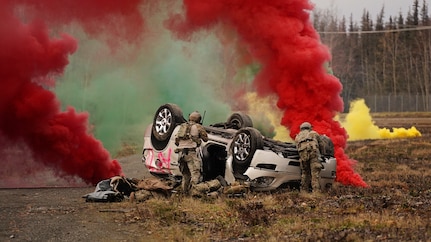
pixel 359 125
pixel 358 122
pixel 266 115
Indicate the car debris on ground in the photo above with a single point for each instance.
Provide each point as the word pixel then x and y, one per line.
pixel 119 188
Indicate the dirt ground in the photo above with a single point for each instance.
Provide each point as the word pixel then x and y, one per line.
pixel 61 214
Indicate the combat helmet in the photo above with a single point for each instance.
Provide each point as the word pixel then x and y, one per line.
pixel 305 125
pixel 195 117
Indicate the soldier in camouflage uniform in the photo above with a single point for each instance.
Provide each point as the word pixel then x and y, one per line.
pixel 188 140
pixel 308 142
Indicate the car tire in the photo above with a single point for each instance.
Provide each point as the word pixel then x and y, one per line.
pixel 244 145
pixel 239 120
pixel 166 118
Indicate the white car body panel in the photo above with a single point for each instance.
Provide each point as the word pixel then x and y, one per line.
pixel 160 161
pixel 285 170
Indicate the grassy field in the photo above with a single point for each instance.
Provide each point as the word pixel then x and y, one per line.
pixel 396 206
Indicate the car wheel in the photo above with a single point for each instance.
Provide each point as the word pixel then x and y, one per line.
pixel 243 147
pixel 165 120
pixel 239 120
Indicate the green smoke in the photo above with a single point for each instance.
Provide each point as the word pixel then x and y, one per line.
pixel 122 88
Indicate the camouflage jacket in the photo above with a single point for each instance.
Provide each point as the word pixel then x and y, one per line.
pixel 193 137
pixel 308 140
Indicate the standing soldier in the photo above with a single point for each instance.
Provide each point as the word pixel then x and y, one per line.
pixel 188 140
pixel 307 143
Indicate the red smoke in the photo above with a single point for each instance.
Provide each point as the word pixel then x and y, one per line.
pixel 114 20
pixel 277 33
pixel 29 61
pixel 280 35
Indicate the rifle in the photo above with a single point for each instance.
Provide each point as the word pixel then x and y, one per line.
pixel 203 117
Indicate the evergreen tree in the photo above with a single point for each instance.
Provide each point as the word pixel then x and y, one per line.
pixel 388 58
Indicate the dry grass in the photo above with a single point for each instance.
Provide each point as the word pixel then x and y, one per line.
pixel 396 206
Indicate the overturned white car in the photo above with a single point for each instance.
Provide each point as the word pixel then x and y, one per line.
pixel 235 150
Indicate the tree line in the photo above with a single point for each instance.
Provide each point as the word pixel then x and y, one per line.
pixel 384 56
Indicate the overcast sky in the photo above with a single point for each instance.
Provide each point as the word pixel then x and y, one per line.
pixel 356 7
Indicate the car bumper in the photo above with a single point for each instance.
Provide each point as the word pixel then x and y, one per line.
pixel 268 171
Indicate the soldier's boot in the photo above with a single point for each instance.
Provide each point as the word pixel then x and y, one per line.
pixel 214 188
pixel 199 190
pixel 213 185
pixel 213 195
pixel 317 191
pixel 205 188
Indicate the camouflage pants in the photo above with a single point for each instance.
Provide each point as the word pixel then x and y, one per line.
pixel 190 168
pixel 203 188
pixel 310 170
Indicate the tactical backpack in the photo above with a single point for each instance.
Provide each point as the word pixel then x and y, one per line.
pixel 184 131
pixel 305 142
pixel 327 146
